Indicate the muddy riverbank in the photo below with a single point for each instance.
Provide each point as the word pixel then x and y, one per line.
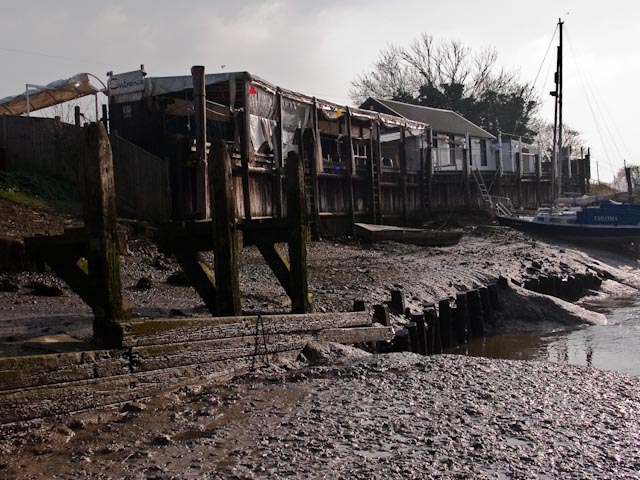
pixel 339 273
pixel 382 416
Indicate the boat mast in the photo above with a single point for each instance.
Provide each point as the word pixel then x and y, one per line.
pixel 557 120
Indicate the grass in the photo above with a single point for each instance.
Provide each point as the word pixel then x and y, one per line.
pixel 39 190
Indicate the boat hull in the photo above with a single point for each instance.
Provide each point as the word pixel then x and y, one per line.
pixel 600 234
pixel 417 236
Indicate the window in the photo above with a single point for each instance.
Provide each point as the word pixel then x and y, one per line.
pixel 484 161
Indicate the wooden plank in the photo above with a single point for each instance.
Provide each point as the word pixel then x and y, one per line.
pixel 37 402
pixel 163 331
pixel 226 239
pixel 35 370
pixel 155 357
pixel 356 335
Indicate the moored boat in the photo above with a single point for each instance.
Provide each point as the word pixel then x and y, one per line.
pixel 425 237
pixel 605 222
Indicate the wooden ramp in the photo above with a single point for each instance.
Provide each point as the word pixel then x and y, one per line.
pixel 162 354
pixel 418 236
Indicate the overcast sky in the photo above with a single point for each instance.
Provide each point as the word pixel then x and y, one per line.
pixel 318 47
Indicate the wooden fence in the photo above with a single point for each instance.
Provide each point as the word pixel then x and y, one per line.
pixel 55 148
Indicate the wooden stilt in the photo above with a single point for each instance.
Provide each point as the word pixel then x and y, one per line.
pixel 298 234
pixel 226 238
pixel 100 225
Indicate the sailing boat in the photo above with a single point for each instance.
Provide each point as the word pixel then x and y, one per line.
pixel 593 219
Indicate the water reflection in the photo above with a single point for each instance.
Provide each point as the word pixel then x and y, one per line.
pixel 611 347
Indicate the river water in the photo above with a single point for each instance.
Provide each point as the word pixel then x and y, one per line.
pixel 615 346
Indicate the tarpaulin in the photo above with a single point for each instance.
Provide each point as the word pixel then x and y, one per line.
pixel 49 95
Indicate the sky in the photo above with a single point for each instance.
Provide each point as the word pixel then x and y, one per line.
pixel 318 47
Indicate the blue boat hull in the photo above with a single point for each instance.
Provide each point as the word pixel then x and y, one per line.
pixel 585 233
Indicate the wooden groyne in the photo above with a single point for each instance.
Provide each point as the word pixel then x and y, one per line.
pixel 471 314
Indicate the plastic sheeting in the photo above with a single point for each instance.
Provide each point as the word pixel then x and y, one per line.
pixel 49 95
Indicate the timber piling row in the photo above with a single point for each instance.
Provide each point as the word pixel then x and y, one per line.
pixel 472 313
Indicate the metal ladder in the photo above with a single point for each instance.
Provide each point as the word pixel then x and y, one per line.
pixel 482 188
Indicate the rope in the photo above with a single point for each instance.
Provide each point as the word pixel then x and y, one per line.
pixel 260 332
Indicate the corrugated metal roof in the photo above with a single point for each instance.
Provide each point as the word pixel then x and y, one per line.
pixel 443 121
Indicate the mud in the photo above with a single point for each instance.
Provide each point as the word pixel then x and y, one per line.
pixel 339 273
pixel 383 416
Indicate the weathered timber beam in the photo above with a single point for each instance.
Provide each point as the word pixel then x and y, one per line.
pixel 38 370
pixel 99 211
pixel 163 331
pixel 199 274
pixel 298 235
pixel 36 402
pixel 225 237
pixel 356 335
pixel 278 264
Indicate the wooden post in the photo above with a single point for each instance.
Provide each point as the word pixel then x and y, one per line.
pixel 371 173
pixel 381 315
pixel 298 233
pixel 226 238
pixel 414 344
pixel 519 173
pixel 247 150
pixel 279 161
pixel 397 303
pixel 201 187
pixel 351 168
pixel 434 343
pixel 105 117
pixel 476 314
pixel 421 331
pixel 403 174
pixel 494 298
pixel 100 222
pixel 538 158
pixel 499 167
pixel 378 160
pixel 77 116
pixel 466 170
pixel 444 314
pixel 462 318
pixel 485 300
pixel 429 170
pixel 359 306
pixel 316 167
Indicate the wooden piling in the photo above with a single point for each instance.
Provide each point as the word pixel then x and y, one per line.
pixel 201 187
pixel 434 343
pixel 476 314
pixel 298 234
pixel 485 300
pixel 226 238
pixel 446 331
pixel 381 315
pixel 421 327
pixel 99 211
pixel 461 319
pixel 397 303
pixel 359 306
pixel 494 299
pixel 414 344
